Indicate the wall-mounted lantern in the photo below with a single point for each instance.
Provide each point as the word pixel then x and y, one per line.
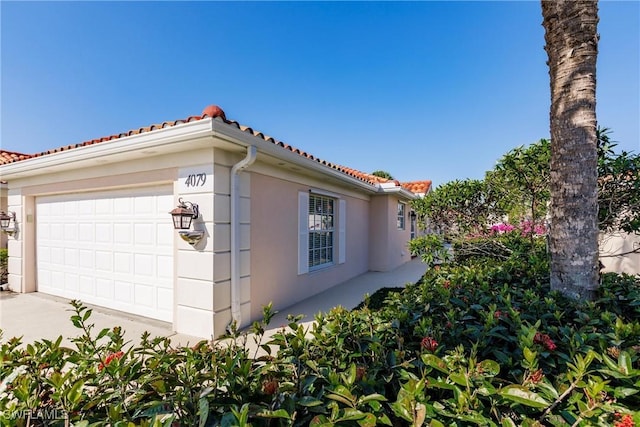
pixel 5 222
pixel 182 217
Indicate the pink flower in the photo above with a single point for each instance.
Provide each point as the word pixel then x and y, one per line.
pixel 502 228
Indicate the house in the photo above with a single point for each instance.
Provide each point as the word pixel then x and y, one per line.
pixel 270 223
pixel 6 157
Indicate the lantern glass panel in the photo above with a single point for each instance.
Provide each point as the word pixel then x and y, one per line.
pixel 186 221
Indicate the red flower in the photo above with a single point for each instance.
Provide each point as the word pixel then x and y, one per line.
pixel 545 340
pixel 270 387
pixel 626 421
pixel 446 284
pixel 109 359
pixel 536 376
pixel 448 325
pixel 429 344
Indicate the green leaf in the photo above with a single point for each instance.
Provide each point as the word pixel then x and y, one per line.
pixel 372 397
pixel 309 401
pixel 340 398
pixel 203 411
pixel 435 362
pixel 280 413
pixel 460 379
pixel 523 396
pixel 489 368
pixel 624 362
pixel 75 392
pixel 102 333
pixel 621 392
pixel 351 414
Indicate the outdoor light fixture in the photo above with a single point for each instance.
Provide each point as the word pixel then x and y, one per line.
pixel 182 217
pixel 5 222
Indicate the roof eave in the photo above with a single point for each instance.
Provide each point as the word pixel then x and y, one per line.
pixel 236 135
pixel 73 157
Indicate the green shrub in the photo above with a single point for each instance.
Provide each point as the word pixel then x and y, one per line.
pixel 476 342
pixel 4 261
pixel 377 300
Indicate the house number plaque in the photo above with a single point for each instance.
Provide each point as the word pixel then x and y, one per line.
pixel 196 179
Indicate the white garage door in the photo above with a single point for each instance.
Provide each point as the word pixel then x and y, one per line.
pixel 113 249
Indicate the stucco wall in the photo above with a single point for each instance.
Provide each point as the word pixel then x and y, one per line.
pixel 617 244
pixel 3 208
pixel 274 245
pixel 388 243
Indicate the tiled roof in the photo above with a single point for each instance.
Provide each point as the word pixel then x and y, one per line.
pixel 417 187
pixel 214 111
pixel 10 156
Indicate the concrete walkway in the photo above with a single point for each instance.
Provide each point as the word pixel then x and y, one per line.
pixel 35 316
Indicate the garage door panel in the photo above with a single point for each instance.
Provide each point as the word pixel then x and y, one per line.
pixel 144 234
pixel 103 232
pixel 144 295
pixel 87 285
pixel 71 284
pixel 104 261
pixel 104 289
pixel 123 291
pixel 85 259
pixel 123 233
pixel 165 269
pixel 123 262
pixel 122 207
pixel 113 249
pixel 70 257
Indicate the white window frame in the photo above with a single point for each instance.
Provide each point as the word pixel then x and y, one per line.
pixel 401 218
pixel 304 235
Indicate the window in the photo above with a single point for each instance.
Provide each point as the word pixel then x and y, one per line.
pixel 321 230
pixel 401 216
pixel 412 220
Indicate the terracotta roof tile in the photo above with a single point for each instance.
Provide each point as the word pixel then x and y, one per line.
pixel 10 157
pixel 417 187
pixel 214 111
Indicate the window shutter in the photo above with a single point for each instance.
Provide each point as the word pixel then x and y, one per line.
pixel 303 232
pixel 342 231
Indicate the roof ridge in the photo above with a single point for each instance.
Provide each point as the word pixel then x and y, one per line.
pixel 213 112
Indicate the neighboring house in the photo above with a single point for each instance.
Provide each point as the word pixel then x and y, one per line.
pixel 617 244
pixel 278 224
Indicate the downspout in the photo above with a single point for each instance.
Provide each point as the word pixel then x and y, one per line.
pixel 235 233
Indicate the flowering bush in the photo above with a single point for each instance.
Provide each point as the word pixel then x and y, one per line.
pixel 526 228
pixel 501 228
pixel 480 342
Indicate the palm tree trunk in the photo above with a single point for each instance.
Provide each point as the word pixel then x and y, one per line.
pixel 572 48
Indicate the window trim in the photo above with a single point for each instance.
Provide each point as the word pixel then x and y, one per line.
pixel 339 231
pixel 323 233
pixel 401 222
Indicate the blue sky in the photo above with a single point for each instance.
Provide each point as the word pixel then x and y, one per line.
pixel 423 90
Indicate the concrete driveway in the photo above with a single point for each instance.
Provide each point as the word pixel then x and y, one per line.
pixel 35 316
